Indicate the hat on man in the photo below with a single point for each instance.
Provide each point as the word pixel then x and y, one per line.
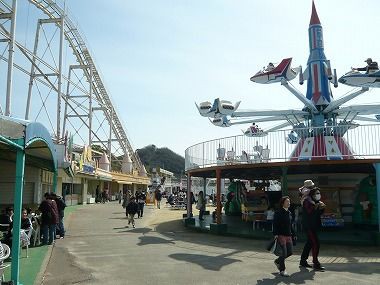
pixel 308 184
pixel 368 60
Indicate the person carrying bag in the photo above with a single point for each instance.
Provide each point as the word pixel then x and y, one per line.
pixel 283 234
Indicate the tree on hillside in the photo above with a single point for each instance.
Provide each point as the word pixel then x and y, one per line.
pixel 151 157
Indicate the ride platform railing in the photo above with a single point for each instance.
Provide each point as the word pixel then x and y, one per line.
pixel 330 143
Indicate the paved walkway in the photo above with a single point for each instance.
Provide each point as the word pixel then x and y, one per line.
pixel 100 249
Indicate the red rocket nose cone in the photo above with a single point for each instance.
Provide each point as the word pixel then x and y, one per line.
pixel 314 20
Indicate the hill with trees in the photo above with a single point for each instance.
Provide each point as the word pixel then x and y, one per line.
pixel 151 157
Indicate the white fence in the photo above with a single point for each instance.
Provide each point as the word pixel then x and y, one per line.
pixel 333 142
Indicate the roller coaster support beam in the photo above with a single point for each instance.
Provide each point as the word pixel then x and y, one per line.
pixel 11 52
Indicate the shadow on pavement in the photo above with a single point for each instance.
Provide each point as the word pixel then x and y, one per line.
pixel 366 268
pixel 119 218
pixel 139 230
pixel 121 228
pixel 145 240
pixel 176 231
pixel 214 263
pixel 299 277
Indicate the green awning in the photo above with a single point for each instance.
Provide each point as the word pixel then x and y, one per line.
pixel 24 142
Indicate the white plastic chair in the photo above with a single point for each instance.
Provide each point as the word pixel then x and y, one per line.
pixel 244 157
pixel 25 238
pixel 230 155
pixel 221 153
pixel 258 148
pixel 35 237
pixel 256 157
pixel 5 252
pixel 265 155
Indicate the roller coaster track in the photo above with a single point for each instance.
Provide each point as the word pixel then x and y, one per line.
pixel 83 56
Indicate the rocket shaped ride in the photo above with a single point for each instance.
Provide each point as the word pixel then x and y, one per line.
pixel 318 72
pixel 321 143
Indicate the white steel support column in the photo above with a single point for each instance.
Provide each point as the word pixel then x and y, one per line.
pixel 188 195
pixel 10 60
pixel 90 109
pixel 377 168
pixel 110 140
pixel 32 73
pixel 218 195
pixel 66 100
pixel 60 75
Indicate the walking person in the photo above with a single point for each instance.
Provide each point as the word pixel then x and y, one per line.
pixel 158 196
pixel 120 196
pixel 97 195
pixel 141 198
pixel 131 210
pixel 104 196
pixel 313 208
pixel 283 231
pixel 201 205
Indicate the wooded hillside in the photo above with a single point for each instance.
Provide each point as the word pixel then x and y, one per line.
pixel 151 156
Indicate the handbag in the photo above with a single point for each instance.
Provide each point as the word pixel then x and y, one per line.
pixel 275 247
pixel 271 244
pixel 278 249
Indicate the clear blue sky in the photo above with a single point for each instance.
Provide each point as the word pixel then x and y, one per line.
pixel 159 57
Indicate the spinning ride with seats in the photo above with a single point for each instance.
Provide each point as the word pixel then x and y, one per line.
pixel 355 78
pixel 318 128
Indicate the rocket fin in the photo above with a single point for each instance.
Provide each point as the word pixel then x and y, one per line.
pixel 306 73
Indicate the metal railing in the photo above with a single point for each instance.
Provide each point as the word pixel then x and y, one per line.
pixel 343 141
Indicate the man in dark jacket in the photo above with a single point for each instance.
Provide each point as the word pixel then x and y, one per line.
pixel 131 210
pixel 311 219
pixel 50 219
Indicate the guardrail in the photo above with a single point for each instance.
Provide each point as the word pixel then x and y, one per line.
pixel 343 141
